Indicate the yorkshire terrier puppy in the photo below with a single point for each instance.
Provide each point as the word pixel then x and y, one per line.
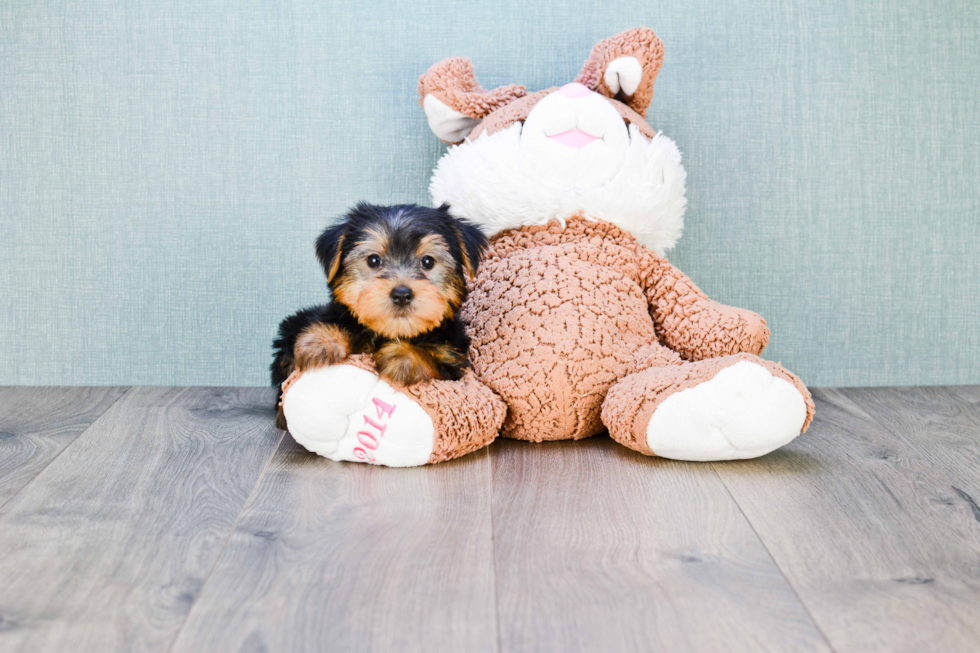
pixel 397 279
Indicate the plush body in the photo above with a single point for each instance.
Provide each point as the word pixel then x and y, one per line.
pixel 577 322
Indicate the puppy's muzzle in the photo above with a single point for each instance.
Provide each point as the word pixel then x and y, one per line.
pixel 402 295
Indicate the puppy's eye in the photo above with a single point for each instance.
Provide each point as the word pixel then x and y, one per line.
pixel 374 261
pixel 428 262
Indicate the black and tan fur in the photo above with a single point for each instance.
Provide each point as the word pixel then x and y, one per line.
pixel 372 256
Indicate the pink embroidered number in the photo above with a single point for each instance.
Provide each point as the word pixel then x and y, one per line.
pixel 369 441
pixel 361 454
pixel 382 407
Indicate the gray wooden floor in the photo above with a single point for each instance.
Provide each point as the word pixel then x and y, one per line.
pixel 181 519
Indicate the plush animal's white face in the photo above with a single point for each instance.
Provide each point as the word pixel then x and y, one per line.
pixel 575 138
pixel 574 154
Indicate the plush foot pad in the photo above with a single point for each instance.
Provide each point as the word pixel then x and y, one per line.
pixel 342 412
pixel 741 412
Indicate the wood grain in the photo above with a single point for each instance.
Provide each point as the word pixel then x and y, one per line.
pixel 598 548
pixel 868 529
pixel 108 547
pixel 942 424
pixel 36 424
pixel 350 557
pixel 114 524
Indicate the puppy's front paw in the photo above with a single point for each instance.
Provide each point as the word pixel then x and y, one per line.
pixel 320 345
pixel 405 364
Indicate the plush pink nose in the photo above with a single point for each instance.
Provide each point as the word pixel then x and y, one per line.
pixel 576 90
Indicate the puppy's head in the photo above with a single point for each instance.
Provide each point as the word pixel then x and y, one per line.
pixel 400 270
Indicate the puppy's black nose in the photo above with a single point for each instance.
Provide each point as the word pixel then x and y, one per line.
pixel 402 295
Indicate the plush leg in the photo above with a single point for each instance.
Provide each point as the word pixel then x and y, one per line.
pixel 346 412
pixel 724 408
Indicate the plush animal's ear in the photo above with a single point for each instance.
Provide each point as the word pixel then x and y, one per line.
pixel 329 249
pixel 453 100
pixel 472 242
pixel 625 67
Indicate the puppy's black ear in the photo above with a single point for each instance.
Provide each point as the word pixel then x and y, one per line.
pixel 472 242
pixel 330 248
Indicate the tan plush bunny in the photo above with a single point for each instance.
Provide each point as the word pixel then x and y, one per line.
pixel 578 323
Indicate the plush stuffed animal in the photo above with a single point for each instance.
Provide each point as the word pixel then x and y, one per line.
pixel 578 322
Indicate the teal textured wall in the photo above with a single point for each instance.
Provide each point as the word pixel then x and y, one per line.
pixel 165 167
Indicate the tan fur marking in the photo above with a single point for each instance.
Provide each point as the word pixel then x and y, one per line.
pixel 374 242
pixel 404 363
pixel 443 276
pixel 319 345
pixel 370 302
pixel 467 263
pixel 347 290
pixel 335 262
pixel 446 354
pixel 452 293
pixel 435 246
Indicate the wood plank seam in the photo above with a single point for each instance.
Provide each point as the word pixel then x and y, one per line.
pixel 231 531
pixel 110 546
pixel 863 518
pixel 967 498
pixel 775 562
pixel 67 446
pixel 600 548
pixel 493 548
pixel 397 559
pixel 970 501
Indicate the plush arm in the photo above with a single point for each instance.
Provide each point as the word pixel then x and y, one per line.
pixel 691 324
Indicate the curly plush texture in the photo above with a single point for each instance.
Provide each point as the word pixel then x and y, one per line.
pixel 555 317
pixel 514 112
pixel 466 413
pixel 641 43
pixel 454 83
pixel 559 313
pixel 691 324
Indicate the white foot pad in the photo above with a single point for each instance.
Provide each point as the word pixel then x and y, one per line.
pixel 743 412
pixel 345 413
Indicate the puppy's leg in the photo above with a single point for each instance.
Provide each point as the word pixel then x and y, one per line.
pixel 446 349
pixel 449 361
pixel 289 330
pixel 404 363
pixel 317 345
pixel 320 344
